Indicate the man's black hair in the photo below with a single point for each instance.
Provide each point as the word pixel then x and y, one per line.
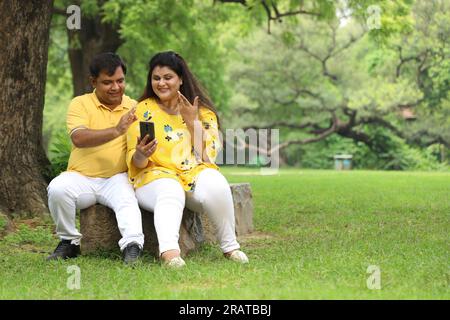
pixel 108 62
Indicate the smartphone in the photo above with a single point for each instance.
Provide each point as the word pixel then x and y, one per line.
pixel 147 128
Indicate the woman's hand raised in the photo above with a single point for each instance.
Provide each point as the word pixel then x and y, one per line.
pixel 188 111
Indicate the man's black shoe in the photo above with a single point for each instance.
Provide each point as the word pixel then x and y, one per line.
pixel 65 250
pixel 131 253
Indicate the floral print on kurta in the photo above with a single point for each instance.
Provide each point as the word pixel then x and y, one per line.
pixel 174 156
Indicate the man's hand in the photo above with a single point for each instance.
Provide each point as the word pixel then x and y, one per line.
pixel 126 120
pixel 87 138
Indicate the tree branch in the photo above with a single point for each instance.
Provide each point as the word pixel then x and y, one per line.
pixel 59 11
pixel 243 2
pixel 272 11
pixel 332 129
pixel 323 135
pixel 356 136
pixel 403 61
pixel 383 123
pixel 332 51
pixel 280 124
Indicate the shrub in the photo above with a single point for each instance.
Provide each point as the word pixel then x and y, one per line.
pixel 59 153
pixel 388 152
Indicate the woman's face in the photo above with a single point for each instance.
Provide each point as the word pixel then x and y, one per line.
pixel 165 83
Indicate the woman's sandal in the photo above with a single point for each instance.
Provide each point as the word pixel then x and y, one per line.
pixel 238 256
pixel 175 263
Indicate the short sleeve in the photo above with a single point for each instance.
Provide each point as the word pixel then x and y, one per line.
pixel 77 116
pixel 211 130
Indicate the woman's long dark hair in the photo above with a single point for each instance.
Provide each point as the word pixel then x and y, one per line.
pixel 190 87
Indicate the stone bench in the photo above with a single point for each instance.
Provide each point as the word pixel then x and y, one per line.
pixel 98 225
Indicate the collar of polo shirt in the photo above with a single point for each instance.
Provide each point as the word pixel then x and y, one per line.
pixel 120 107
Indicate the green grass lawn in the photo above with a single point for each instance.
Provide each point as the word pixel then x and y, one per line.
pixel 316 234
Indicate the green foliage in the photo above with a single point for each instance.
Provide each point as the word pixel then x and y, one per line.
pixel 400 156
pixel 3 223
pixel 426 57
pixel 320 155
pixel 312 68
pixel 389 153
pixel 191 28
pixel 395 16
pixel 58 90
pixel 60 152
pixel 259 82
pixel 90 8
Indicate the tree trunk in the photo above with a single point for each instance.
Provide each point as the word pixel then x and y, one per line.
pixel 93 37
pixel 24 37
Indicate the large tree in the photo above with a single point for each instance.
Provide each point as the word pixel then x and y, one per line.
pixel 424 55
pixel 24 35
pixel 94 35
pixel 107 24
pixel 315 79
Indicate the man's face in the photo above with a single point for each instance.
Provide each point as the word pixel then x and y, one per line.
pixel 110 89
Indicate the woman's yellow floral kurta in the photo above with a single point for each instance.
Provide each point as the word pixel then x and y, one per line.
pixel 174 156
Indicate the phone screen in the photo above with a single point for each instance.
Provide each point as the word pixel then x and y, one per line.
pixel 147 128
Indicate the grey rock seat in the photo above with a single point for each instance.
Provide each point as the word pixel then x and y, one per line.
pixel 98 225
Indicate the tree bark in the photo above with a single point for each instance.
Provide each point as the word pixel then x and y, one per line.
pixel 93 37
pixel 24 37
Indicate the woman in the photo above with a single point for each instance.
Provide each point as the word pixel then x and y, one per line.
pixel 177 168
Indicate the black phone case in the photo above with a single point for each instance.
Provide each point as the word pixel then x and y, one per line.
pixel 147 128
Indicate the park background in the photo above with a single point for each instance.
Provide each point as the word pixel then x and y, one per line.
pixel 365 78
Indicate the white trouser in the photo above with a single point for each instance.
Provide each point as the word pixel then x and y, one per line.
pixel 167 198
pixel 71 190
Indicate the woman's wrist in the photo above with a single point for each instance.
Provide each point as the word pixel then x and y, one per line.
pixel 140 160
pixel 190 123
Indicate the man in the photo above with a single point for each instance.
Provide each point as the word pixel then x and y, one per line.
pixel 96 173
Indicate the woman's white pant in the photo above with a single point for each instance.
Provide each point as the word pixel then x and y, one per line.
pixel 167 198
pixel 70 191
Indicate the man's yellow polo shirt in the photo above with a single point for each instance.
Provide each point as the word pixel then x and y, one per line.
pixel 104 160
